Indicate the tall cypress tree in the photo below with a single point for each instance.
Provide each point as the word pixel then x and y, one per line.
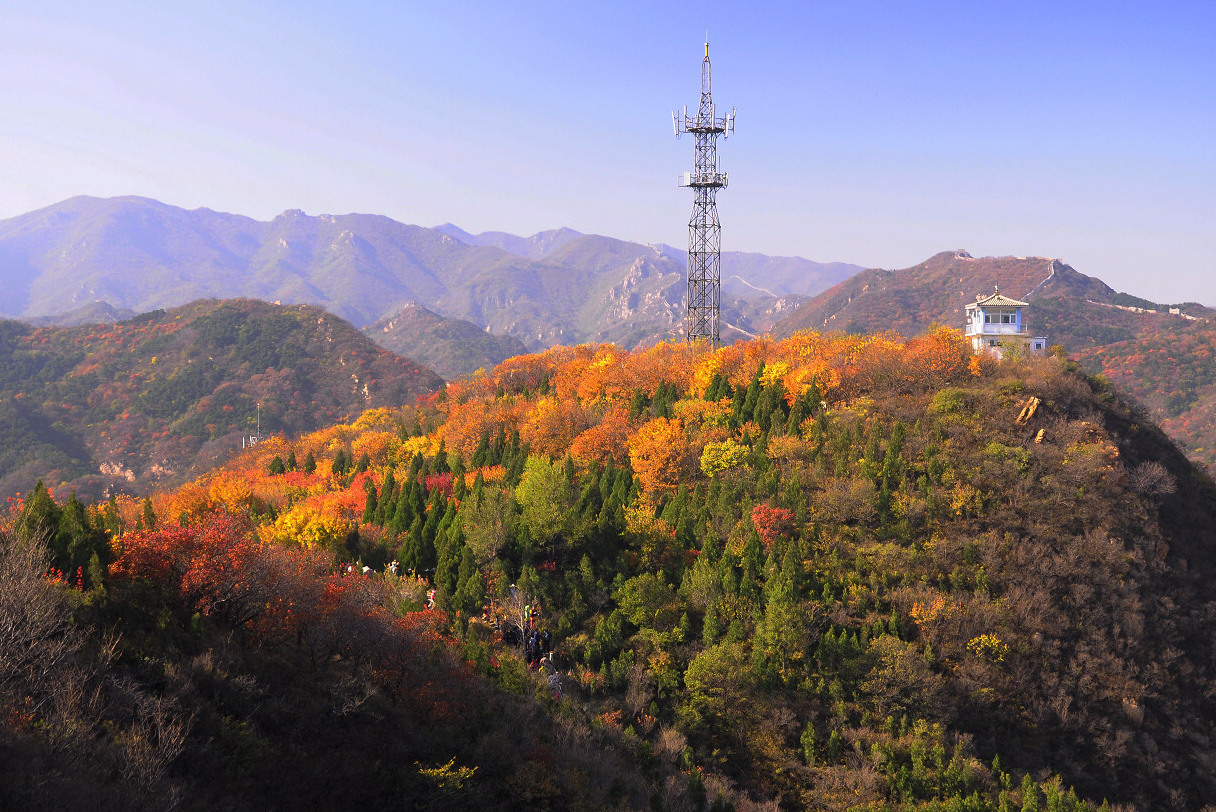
pixel 148 515
pixel 447 566
pixel 113 520
pixel 482 452
pixel 369 509
pixel 752 397
pixel 410 553
pixel 440 465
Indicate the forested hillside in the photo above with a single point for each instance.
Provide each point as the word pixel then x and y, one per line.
pixel 829 572
pixel 164 396
pixel 1170 367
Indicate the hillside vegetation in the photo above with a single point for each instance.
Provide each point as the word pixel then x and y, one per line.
pixel 1170 367
pixel 828 572
pixel 161 397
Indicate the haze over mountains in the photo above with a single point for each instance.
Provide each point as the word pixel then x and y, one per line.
pixel 556 287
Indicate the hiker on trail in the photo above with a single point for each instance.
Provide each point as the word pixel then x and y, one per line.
pixel 546 641
pixel 534 652
pixel 551 676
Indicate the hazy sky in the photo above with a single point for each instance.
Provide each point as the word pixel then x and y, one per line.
pixel 871 132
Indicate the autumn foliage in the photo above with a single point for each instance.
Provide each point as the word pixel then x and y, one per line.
pixel 839 565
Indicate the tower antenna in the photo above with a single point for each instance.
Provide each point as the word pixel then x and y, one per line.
pixel 704 296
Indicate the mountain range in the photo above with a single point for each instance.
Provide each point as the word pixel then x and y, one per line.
pixel 556 287
pixel 931 578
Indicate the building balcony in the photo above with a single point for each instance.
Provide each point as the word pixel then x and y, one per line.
pixel 995 330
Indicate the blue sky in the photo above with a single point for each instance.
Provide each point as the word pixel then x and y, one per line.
pixel 871 132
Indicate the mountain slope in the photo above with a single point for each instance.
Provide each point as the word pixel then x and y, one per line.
pixel 451 347
pixel 831 572
pixel 160 397
pixel 1169 368
pixel 937 290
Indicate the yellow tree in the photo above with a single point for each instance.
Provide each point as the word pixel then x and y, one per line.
pixel 609 439
pixel 659 453
pixel 553 425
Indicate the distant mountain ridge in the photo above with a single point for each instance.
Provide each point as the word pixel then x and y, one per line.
pixel 555 287
pixel 534 247
pixel 938 290
pixel 451 347
pixel 91 313
pixel 742 272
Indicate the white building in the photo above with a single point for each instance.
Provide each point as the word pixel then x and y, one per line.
pixel 996 321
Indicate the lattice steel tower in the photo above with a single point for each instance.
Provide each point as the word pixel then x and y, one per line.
pixel 704 230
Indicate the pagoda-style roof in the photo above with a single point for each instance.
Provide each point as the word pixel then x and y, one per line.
pixel 996 300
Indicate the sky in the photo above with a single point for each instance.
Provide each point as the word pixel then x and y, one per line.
pixel 877 133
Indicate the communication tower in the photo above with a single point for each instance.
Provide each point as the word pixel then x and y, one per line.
pixel 251 440
pixel 704 230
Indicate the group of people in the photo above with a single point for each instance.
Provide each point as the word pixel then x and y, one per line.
pixel 537 647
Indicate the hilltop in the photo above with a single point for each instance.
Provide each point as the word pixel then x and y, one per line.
pixel 831 572
pixel 163 396
pixel 1158 354
pixel 451 347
